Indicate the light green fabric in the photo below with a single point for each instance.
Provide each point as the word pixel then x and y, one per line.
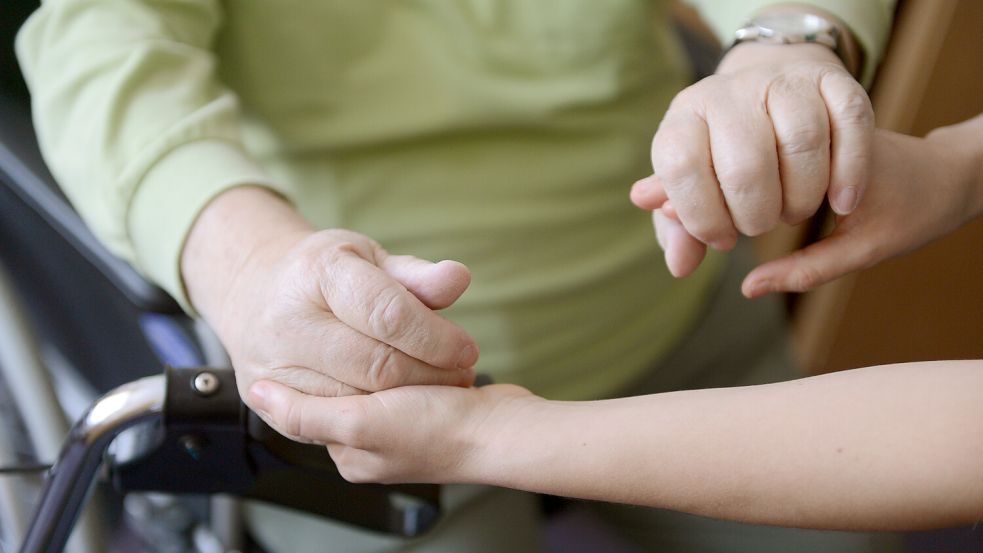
pixel 501 133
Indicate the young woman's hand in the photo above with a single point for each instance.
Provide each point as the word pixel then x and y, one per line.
pixel 437 434
pixel 920 189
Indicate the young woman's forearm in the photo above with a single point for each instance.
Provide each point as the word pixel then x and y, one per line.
pixel 879 448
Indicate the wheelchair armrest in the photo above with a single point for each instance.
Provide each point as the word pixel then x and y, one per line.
pixel 187 431
pixel 22 169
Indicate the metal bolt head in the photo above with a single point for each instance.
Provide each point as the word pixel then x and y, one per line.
pixel 206 383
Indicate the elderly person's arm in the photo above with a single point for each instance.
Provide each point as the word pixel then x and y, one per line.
pixel 143 137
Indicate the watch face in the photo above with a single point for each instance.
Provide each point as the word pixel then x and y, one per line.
pixel 792 24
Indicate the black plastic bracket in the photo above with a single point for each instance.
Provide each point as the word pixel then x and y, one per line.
pixel 208 442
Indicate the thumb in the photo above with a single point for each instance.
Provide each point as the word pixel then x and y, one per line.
pixel 300 416
pixel 834 256
pixel 437 285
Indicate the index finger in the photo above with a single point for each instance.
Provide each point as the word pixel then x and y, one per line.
pixel 366 298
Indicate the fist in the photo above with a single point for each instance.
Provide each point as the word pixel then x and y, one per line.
pixel 777 129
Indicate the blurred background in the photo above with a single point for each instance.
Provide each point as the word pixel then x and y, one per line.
pixel 924 306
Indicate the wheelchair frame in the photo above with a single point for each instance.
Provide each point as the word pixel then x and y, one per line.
pixel 160 433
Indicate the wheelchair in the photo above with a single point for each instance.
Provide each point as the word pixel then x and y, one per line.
pixel 161 438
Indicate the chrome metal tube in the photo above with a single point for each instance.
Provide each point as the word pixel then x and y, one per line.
pixel 70 480
pixel 34 398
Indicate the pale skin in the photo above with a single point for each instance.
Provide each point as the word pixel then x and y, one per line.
pixel 882 448
pixel 806 133
pixel 325 312
pixel 309 315
pixel 901 214
pixel 331 313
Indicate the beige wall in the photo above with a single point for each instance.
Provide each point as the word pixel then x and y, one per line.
pixel 927 305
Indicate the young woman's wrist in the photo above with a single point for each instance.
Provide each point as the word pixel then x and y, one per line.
pixel 503 441
pixel 976 180
pixel 961 155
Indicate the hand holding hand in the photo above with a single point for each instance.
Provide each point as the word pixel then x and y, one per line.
pixel 920 189
pixel 763 141
pixel 326 313
pixel 435 434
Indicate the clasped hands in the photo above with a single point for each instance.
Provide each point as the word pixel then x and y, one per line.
pixel 741 152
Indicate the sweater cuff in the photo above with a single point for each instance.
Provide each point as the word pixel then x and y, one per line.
pixel 170 197
pixel 869 21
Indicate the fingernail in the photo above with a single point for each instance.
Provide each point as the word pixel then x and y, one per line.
pixel 845 200
pixel 468 357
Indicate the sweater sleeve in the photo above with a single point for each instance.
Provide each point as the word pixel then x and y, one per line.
pixel 869 20
pixel 133 121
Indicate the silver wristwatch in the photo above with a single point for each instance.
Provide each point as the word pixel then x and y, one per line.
pixel 796 27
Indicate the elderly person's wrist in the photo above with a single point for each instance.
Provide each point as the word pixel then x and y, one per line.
pixel 225 240
pixel 750 54
pixel 785 27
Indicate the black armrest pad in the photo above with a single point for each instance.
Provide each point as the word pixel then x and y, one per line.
pixel 22 170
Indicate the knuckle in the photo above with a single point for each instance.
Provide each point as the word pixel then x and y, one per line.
pixel 805 277
pixel 855 110
pixel 759 220
pixel 292 420
pixel 382 371
pixel 710 229
pixel 803 139
pixel 348 467
pixel 352 428
pixel 388 316
pixel 802 205
pixel 786 84
pixel 338 249
pixel 674 166
pixel 755 226
pixel 692 94
pixel 793 215
pixel 741 179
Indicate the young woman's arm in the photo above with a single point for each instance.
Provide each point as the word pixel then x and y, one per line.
pixel 890 447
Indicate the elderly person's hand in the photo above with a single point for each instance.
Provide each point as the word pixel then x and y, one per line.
pixel 920 189
pixel 762 141
pixel 326 313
